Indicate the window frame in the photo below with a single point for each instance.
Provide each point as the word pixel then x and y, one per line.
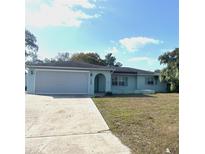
pixel 114 80
pixel 150 80
pixel 120 81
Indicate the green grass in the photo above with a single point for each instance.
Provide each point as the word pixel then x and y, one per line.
pixel 148 124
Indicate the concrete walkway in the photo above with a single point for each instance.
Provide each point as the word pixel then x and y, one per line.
pixel 60 125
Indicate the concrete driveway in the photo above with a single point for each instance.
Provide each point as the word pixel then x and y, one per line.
pixel 60 125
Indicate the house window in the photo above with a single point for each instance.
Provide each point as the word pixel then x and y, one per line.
pixel 120 81
pixel 150 80
pixel 114 81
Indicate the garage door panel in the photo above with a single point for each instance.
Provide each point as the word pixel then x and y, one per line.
pixel 58 82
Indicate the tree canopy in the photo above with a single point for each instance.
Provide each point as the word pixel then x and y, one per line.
pixel 170 73
pixel 110 59
pixel 92 58
pixel 31 47
pixel 62 57
pixel 118 64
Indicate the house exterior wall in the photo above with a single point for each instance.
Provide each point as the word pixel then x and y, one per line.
pixel 141 85
pixel 130 88
pixel 31 81
pixel 137 82
pixel 107 75
pixel 93 73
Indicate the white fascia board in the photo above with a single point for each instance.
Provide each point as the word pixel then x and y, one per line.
pixel 70 68
pixel 135 74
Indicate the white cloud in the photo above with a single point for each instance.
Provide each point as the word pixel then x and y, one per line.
pixel 143 59
pixel 137 59
pixel 31 2
pixel 112 50
pixel 134 43
pixel 60 13
pixel 166 50
pixel 71 3
pixel 45 54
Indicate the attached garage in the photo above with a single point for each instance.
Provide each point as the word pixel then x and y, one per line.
pixel 68 77
pixel 61 82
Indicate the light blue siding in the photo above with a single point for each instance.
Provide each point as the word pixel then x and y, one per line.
pixel 107 75
pixel 31 81
pixel 141 85
pixel 137 82
pixel 130 88
pixel 32 89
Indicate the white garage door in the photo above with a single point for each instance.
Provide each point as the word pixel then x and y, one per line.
pixel 60 82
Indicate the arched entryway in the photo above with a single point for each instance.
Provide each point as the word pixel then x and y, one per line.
pixel 100 83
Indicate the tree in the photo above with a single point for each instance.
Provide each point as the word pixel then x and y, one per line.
pixel 157 71
pixel 62 57
pixel 110 59
pixel 31 47
pixel 92 58
pixel 170 73
pixel 118 64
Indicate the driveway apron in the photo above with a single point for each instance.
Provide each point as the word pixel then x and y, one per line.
pixel 67 125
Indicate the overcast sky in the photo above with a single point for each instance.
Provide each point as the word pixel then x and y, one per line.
pixel 135 31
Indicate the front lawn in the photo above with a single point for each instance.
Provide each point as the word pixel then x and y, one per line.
pixel 145 123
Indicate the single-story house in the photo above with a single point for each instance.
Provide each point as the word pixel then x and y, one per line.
pixel 83 78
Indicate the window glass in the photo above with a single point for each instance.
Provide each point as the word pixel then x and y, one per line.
pixel 114 81
pixel 149 80
pixel 126 81
pixel 119 81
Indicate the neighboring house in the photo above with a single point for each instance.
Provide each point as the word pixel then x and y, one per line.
pixel 83 78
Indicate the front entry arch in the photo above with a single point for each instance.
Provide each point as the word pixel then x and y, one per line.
pixel 100 85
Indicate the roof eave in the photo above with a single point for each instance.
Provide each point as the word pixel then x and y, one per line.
pixel 73 68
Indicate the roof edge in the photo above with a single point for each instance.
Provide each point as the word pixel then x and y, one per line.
pixel 78 68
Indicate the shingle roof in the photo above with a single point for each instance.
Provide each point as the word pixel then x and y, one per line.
pixel 69 64
pixel 74 64
pixel 131 70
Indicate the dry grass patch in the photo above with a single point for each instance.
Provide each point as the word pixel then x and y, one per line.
pixel 145 123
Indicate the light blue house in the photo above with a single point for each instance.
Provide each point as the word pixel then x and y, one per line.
pixel 83 78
